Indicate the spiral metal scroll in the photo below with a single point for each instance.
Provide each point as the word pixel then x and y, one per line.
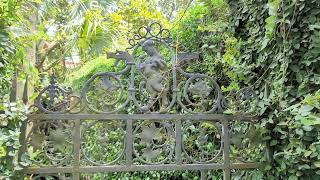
pixel 104 92
pixel 243 100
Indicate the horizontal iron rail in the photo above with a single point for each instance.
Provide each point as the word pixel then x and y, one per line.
pixel 151 116
pixel 124 168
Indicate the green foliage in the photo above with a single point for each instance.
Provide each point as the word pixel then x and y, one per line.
pixel 270 45
pixel 101 64
pixel 7 49
pixel 279 41
pixel 11 117
pixel 190 25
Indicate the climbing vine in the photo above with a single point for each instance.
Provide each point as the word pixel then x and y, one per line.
pixel 280 40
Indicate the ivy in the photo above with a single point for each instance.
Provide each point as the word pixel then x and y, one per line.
pixel 280 40
pixel 11 117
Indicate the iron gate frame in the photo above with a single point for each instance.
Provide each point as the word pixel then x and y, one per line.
pixel 146 113
pixel 76 169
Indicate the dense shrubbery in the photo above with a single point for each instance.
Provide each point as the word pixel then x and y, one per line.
pixel 11 119
pixel 280 43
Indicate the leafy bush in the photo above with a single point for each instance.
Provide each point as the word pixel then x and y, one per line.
pixel 11 117
pixel 279 40
pixel 79 77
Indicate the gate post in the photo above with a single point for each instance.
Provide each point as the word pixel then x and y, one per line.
pixel 76 149
pixel 226 150
pixel 178 136
pixel 129 142
pixel 23 147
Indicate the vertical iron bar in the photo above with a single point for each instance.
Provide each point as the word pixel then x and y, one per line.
pixel 178 135
pixel 76 149
pixel 23 143
pixel 204 174
pixel 226 150
pixel 129 142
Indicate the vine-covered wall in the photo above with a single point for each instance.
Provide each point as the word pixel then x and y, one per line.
pixel 280 41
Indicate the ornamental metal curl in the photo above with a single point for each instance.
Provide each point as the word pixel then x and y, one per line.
pixel 153 31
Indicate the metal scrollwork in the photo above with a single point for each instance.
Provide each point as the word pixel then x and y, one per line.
pixel 55 99
pixel 201 94
pixel 154 30
pixel 153 81
pixel 243 100
pixel 104 92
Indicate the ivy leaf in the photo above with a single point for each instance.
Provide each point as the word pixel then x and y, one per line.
pixel 307 128
pixel 317 164
pixel 264 44
pixel 307 153
pixel 305 110
pixel 273 142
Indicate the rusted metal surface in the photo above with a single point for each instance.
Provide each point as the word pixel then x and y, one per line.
pixel 153 115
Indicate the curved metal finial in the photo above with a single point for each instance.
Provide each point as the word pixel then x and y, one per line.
pixel 152 31
pixel 56 99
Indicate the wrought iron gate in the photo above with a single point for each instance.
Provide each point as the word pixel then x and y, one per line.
pixel 155 112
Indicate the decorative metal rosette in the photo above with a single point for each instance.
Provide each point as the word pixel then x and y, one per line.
pixel 246 142
pixel 202 141
pixel 51 142
pixel 55 99
pixel 103 142
pixel 153 142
